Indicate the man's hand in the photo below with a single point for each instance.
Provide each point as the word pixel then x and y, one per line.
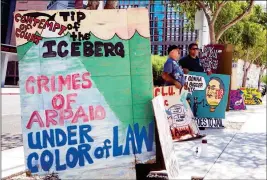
pixel 209 73
pixel 186 71
pixel 185 87
pixel 177 85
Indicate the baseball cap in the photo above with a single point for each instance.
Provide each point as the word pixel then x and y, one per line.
pixel 172 47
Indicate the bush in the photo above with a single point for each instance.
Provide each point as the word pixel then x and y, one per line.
pixel 264 79
pixel 157 65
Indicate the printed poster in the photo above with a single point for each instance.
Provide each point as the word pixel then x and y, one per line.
pixel 85 89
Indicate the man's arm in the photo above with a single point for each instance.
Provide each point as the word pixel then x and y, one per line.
pixel 166 75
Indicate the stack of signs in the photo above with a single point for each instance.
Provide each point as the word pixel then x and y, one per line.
pixel 179 113
pixel 252 96
pixel 207 97
pixel 85 88
pixel 210 57
pixel 237 100
pixel 166 142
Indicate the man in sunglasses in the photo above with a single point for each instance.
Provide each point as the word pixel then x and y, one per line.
pixel 191 61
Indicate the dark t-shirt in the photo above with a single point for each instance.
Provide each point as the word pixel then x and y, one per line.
pixel 191 64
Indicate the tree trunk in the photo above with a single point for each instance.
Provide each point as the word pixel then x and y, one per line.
pixel 246 69
pixel 111 4
pixel 92 5
pixel 259 81
pixel 212 34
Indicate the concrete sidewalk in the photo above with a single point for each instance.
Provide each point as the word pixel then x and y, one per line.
pixel 12 161
pixel 233 153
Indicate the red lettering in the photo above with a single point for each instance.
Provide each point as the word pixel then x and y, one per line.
pixel 42 82
pixel 100 113
pixel 56 26
pixel 37 39
pixel 62 29
pixel 53 84
pixel 80 114
pixel 64 114
pixel 41 24
pixel 69 100
pixel 17 16
pixel 166 103
pixel 49 115
pixel 162 92
pixel 91 112
pixel 156 91
pixel 35 117
pixel 75 81
pixel 17 32
pixel 57 98
pixel 62 82
pixel 85 78
pixel 35 21
pixel 30 89
pixel 171 92
pixel 48 24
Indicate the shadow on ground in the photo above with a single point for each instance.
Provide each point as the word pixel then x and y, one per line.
pixel 9 141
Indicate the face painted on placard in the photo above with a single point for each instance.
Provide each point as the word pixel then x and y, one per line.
pixel 214 93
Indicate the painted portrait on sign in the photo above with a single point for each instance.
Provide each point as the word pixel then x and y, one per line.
pixel 211 100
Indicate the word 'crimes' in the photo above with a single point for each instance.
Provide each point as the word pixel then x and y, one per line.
pixel 88 49
pixel 83 153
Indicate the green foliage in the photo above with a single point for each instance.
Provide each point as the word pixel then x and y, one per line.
pixel 264 79
pixel 157 65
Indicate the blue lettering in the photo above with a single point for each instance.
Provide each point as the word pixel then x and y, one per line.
pixel 33 169
pixel 38 141
pixel 117 150
pixel 83 131
pixel 49 138
pixel 71 134
pixel 46 165
pixel 99 153
pixel 84 152
pixel 72 157
pixel 143 137
pixel 106 147
pixel 129 139
pixel 63 141
pixel 58 166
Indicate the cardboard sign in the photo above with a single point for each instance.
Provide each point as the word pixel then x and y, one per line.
pixel 211 100
pixel 237 100
pixel 178 111
pixel 85 88
pixel 252 96
pixel 169 154
pixel 211 56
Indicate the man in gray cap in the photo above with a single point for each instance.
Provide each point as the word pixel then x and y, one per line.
pixel 172 73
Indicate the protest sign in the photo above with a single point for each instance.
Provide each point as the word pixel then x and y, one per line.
pixel 208 99
pixel 211 56
pixel 237 100
pixel 252 96
pixel 179 113
pixel 168 151
pixel 85 88
pixel 209 122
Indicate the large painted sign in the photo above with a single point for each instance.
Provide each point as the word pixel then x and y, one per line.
pixel 237 100
pixel 209 97
pixel 252 96
pixel 168 151
pixel 211 56
pixel 86 90
pixel 179 114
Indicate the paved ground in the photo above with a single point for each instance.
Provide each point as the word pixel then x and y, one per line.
pixel 11 126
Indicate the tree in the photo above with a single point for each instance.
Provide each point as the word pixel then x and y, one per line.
pixel 93 5
pixel 211 9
